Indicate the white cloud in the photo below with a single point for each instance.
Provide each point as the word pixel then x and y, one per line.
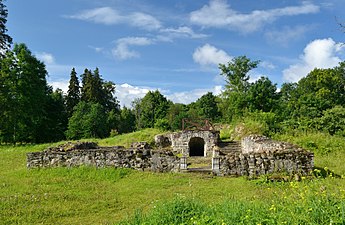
pixel 47 58
pixel 287 34
pixel 210 55
pixel 267 65
pixel 61 84
pixel 191 96
pixel 109 16
pixel 320 53
pixel 219 14
pixel 180 32
pixel 122 51
pixel 126 93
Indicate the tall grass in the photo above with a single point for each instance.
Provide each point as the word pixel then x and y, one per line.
pixel 294 203
pixel 88 195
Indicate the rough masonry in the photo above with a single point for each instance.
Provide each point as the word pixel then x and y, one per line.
pixel 254 156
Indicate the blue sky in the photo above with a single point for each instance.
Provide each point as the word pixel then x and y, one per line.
pixel 175 46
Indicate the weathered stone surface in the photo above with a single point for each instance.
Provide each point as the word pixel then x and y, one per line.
pixel 163 140
pixel 261 155
pixel 179 141
pixel 140 158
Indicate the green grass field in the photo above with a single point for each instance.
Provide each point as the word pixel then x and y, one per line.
pixel 110 196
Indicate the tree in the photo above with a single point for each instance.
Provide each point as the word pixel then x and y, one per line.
pixel 136 105
pixel 127 121
pixel 262 95
pixel 333 120
pixel 207 106
pixel 24 96
pixel 234 98
pixel 175 114
pixel 55 124
pixel 95 89
pixel 153 106
pixel 320 90
pixel 5 39
pixel 236 73
pixel 88 121
pixel 73 93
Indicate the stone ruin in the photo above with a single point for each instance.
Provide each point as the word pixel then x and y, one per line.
pixel 255 155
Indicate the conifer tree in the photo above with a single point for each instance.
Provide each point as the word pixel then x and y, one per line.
pixel 5 39
pixel 86 89
pixel 73 93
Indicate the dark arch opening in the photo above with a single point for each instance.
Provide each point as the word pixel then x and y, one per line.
pixel 196 146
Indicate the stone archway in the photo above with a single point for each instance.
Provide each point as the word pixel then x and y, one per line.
pixel 196 146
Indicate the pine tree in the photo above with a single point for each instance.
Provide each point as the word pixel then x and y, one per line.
pixel 73 93
pixel 86 89
pixel 5 39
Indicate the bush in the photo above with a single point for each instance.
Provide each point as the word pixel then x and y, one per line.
pixel 162 124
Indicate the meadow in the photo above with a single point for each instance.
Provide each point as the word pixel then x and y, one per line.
pixel 89 195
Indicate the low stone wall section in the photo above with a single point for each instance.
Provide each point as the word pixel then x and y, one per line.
pixel 119 157
pixel 261 155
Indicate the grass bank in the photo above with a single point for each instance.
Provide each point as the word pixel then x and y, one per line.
pixel 88 195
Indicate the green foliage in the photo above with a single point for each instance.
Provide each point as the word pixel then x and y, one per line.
pixel 302 204
pixel 5 39
pixel 226 133
pixel 333 121
pixel 175 114
pixel 262 96
pixel 73 93
pixel 88 121
pixel 235 97
pixel 320 90
pixel 236 73
pixel 94 89
pixel 55 124
pixel 162 124
pixel 24 97
pixel 206 107
pixel 127 121
pixel 152 107
pixel 318 142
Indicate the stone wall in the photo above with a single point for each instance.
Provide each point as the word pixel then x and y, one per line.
pixel 139 158
pixel 261 155
pixel 179 141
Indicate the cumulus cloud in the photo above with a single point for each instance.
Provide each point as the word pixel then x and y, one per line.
pixel 219 14
pixel 210 55
pixel 122 51
pixel 320 53
pixel 127 93
pixel 110 16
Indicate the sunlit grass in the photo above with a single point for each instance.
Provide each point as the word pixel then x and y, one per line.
pixel 88 195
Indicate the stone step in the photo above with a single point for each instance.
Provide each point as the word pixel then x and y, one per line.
pixel 230 147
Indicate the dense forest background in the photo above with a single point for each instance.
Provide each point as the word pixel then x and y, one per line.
pixel 32 112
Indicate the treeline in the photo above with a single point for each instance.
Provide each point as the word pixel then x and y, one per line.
pixel 30 111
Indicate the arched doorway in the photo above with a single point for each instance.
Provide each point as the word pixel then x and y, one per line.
pixel 196 146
